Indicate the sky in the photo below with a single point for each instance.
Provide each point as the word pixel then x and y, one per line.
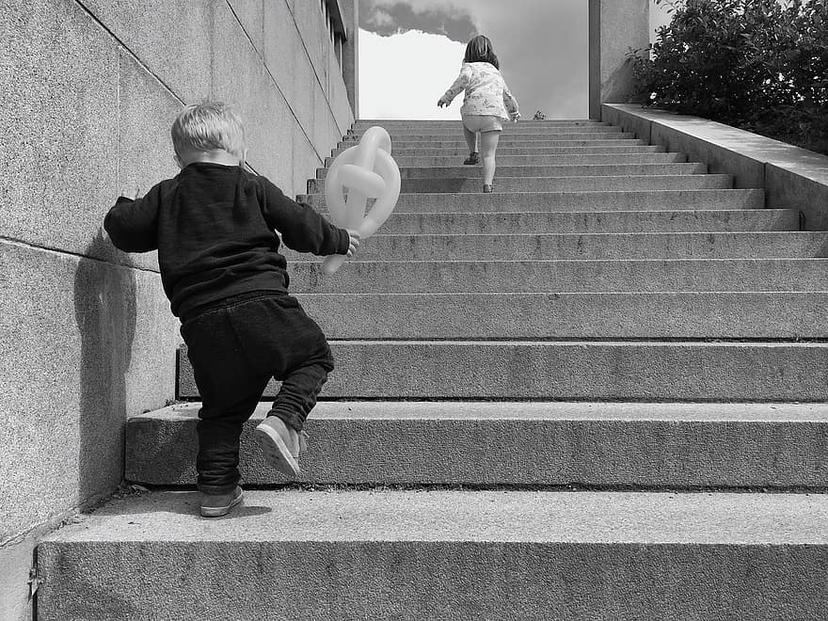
pixel 410 52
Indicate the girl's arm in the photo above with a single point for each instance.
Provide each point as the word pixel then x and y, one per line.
pixel 455 89
pixel 511 104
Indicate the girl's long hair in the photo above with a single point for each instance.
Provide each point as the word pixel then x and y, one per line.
pixel 479 49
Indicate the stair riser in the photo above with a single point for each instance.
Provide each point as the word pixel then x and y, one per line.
pixel 594 246
pixel 563 276
pixel 575 371
pixel 470 451
pixel 602 222
pixel 474 172
pixel 313 580
pixel 597 155
pixel 564 184
pixel 656 200
pixel 549 147
pixel 392 125
pixel 571 316
pixel 444 141
pixel 395 129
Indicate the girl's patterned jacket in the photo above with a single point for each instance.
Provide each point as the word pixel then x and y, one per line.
pixel 486 91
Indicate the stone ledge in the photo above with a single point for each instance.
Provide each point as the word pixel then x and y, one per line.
pixel 793 178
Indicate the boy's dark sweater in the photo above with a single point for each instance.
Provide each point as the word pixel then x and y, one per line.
pixel 213 227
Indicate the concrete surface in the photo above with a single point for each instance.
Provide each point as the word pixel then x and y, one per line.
pixel 526 139
pixel 656 200
pixel 522 247
pixel 89 343
pixel 571 371
pixel 708 220
pixel 792 177
pixel 421 555
pixel 615 28
pixel 566 156
pixel 606 315
pixel 629 445
pixel 563 276
pixel 628 182
pixel 572 184
pixel 591 170
pixel 17 560
pixel 408 124
pixel 60 142
pixel 550 147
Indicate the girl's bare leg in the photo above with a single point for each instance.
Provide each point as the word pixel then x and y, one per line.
pixel 488 146
pixel 471 139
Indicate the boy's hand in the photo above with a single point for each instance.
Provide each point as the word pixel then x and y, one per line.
pixel 353 242
pixel 442 103
pixel 131 194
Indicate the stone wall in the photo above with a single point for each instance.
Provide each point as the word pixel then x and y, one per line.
pixel 89 90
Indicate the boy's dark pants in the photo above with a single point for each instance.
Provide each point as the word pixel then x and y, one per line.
pixel 235 348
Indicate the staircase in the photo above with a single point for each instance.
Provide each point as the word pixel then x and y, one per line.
pixel 598 393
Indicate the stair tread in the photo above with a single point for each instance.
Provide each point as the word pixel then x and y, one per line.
pixel 777 413
pixel 480 516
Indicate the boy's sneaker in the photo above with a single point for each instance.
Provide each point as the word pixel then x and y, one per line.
pixel 216 505
pixel 474 158
pixel 488 188
pixel 281 444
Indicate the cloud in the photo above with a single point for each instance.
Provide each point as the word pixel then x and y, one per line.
pixel 389 17
pixel 379 19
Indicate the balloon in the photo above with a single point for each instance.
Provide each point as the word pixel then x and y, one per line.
pixel 368 171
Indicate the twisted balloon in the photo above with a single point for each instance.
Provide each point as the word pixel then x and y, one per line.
pixel 367 170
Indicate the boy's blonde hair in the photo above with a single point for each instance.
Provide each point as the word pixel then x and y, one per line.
pixel 208 126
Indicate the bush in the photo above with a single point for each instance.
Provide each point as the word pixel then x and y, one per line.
pixel 760 65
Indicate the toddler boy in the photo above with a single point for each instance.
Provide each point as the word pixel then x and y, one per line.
pixel 213 226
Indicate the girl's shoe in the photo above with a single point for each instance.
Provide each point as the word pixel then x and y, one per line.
pixel 216 505
pixel 474 158
pixel 281 445
pixel 487 188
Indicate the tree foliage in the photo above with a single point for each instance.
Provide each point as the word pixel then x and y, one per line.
pixel 761 65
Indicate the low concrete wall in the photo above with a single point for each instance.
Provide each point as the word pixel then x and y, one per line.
pixel 792 178
pixel 90 89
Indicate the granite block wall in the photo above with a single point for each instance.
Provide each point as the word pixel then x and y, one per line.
pixel 89 90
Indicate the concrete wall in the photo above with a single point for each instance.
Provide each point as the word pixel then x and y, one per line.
pixel 792 178
pixel 89 90
pixel 615 28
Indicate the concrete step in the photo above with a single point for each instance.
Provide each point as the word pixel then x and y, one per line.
pixel 529 247
pixel 564 276
pixel 441 127
pixel 590 170
pixel 559 184
pixel 593 222
pixel 584 201
pixel 509 131
pixel 452 555
pixel 483 444
pixel 598 155
pixel 569 371
pixel 445 140
pixel 549 147
pixel 606 315
pixel 424 125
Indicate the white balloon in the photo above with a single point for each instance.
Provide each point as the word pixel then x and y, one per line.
pixel 367 170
